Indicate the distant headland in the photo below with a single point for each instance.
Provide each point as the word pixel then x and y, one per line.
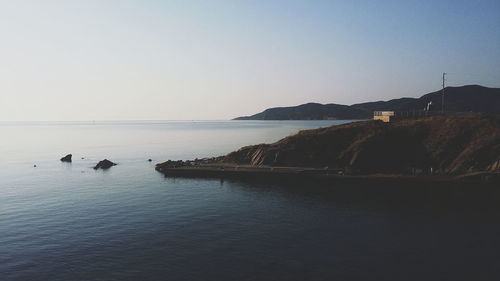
pixel 469 98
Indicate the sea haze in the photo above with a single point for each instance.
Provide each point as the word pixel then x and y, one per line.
pixel 65 221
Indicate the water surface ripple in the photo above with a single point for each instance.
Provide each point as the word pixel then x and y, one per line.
pixel 62 221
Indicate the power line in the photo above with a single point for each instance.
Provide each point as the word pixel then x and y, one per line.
pixel 457 81
pixel 442 102
pixel 471 78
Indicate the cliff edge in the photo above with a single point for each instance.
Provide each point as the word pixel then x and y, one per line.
pixel 446 145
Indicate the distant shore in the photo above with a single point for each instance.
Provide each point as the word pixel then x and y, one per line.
pixel 467 98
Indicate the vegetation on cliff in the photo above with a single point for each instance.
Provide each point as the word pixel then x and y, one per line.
pixel 454 144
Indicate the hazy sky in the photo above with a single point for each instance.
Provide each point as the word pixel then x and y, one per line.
pixel 185 60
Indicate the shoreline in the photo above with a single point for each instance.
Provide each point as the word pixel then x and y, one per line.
pixel 263 173
pixel 446 148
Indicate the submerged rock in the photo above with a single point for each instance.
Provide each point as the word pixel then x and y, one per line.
pixel 104 164
pixel 66 158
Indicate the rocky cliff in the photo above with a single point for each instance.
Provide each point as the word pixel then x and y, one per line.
pixel 442 144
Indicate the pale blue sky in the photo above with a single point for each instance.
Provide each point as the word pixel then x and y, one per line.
pixel 185 60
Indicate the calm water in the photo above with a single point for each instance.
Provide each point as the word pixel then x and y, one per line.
pixel 62 221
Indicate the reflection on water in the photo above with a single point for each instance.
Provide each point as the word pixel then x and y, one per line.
pixel 64 221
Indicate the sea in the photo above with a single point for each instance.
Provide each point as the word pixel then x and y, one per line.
pixel 67 221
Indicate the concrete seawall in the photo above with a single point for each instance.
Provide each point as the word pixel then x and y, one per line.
pixel 287 174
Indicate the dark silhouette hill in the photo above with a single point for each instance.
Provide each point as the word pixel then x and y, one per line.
pixel 452 144
pixel 308 111
pixel 470 98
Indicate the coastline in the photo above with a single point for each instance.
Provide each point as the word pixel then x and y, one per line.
pixel 264 173
pixel 451 148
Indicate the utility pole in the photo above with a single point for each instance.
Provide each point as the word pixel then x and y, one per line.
pixel 442 101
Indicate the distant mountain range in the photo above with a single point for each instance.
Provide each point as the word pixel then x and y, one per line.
pixel 470 98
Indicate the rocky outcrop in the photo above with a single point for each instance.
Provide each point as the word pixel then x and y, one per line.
pixel 67 158
pixel 455 144
pixel 104 164
pixel 196 162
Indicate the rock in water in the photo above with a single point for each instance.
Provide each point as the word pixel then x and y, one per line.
pixel 67 158
pixel 104 164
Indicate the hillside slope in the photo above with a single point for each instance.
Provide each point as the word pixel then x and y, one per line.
pixel 448 144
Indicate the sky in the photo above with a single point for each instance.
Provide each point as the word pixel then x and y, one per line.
pixel 216 60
